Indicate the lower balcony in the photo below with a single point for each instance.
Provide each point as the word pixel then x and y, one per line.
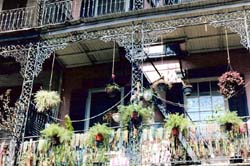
pixel 207 144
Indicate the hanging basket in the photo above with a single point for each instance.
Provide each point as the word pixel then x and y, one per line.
pixel 112 90
pixel 175 131
pixel 46 100
pixel 161 85
pixel 229 83
pixel 55 141
pixel 99 137
pixel 187 90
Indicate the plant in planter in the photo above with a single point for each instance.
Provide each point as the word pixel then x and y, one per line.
pixel 57 134
pixel 134 112
pixel 229 83
pixel 112 89
pixel 161 85
pixel 45 100
pixel 98 135
pixel 177 123
pixel 229 120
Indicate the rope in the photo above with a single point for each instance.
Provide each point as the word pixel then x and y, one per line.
pixel 113 63
pixel 93 117
pixel 228 54
pixel 52 71
pixel 170 102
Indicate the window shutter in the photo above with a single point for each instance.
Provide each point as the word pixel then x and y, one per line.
pixel 239 103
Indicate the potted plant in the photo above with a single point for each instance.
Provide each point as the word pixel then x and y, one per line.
pixel 161 85
pixel 177 123
pixel 112 89
pixel 229 83
pixel 134 112
pixel 229 120
pixel 45 100
pixel 98 135
pixel 57 134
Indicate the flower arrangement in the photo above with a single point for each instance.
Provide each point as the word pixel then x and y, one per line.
pixel 112 89
pixel 128 112
pixel 46 100
pixel 177 123
pixel 99 133
pixel 229 83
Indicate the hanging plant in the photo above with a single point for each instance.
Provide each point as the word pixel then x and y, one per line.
pixel 177 123
pixel 229 120
pixel 161 85
pixel 98 135
pixel 57 134
pixel 112 90
pixel 45 100
pixel 134 111
pixel 229 83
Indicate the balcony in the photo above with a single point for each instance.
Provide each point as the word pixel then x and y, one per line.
pixel 61 11
pixel 205 144
pixel 35 16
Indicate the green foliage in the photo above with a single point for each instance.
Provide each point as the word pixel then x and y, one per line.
pixel 64 153
pixel 112 86
pixel 99 128
pixel 178 121
pixel 68 123
pixel 97 157
pixel 46 100
pixel 126 111
pixel 54 130
pixel 229 117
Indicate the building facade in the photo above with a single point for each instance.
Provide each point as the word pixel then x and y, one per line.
pixel 75 46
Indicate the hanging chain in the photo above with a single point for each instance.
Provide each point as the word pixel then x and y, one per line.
pixel 228 53
pixel 52 71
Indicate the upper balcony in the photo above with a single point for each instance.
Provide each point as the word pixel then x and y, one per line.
pixel 57 12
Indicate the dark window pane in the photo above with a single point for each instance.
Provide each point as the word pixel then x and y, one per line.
pixel 204 88
pixel 214 86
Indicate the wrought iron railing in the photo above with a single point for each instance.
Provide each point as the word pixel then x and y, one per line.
pixel 57 12
pixel 154 147
pixel 93 8
pixel 34 16
pixel 17 18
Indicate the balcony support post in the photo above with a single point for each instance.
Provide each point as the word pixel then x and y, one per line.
pixel 31 56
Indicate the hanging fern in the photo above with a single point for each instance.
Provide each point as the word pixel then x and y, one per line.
pixel 46 100
pixel 96 129
pixel 54 130
pixel 145 112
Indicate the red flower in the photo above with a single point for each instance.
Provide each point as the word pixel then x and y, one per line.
pixel 230 82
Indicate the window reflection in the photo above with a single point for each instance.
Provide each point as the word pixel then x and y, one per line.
pixel 204 101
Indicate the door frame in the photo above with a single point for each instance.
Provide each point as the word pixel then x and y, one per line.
pixel 88 103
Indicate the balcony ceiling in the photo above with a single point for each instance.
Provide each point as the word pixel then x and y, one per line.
pixel 198 39
pixel 85 53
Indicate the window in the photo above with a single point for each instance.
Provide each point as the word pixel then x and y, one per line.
pixel 205 99
pixel 13 4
